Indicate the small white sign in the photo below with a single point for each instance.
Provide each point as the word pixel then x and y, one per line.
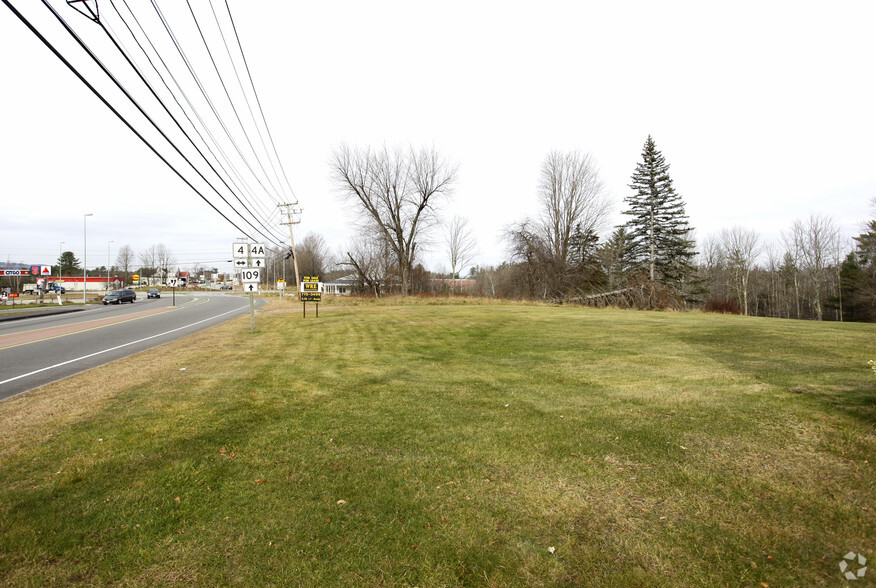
pixel 281 285
pixel 239 250
pixel 251 287
pixel 257 251
pixel 251 275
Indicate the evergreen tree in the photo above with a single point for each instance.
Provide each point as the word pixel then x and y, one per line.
pixel 67 262
pixel 659 229
pixel 856 296
pixel 863 295
pixel 616 257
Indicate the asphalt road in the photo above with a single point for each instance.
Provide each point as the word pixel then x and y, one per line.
pixel 36 351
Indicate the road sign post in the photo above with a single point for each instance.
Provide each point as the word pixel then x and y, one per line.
pixel 250 259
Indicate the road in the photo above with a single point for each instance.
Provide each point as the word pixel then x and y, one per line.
pixel 36 351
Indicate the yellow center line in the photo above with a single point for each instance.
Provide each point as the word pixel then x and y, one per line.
pixel 194 302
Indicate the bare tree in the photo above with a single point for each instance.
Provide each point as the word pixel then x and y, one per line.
pixel 740 247
pixel 125 260
pixel 774 264
pixel 461 246
pixel 559 247
pixel 312 255
pixel 398 191
pixel 149 262
pixel 158 258
pixel 815 237
pixel 370 258
pixel 572 198
pixel 792 260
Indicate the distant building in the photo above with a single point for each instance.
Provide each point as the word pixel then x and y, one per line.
pixel 340 286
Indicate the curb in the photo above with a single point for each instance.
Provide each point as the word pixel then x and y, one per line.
pixel 14 316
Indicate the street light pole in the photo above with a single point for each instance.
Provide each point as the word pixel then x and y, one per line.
pixel 108 264
pixel 85 254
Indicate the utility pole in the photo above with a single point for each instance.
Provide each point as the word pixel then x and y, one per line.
pixel 108 265
pixel 289 221
pixel 85 256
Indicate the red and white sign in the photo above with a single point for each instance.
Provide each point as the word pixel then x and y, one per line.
pixel 46 270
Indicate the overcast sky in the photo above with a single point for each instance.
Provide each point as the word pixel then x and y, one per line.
pixel 764 111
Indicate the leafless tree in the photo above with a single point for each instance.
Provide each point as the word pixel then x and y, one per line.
pixel 166 260
pixel 572 198
pixel 312 255
pixel 399 193
pixel 371 260
pixel 461 246
pixel 125 260
pixel 740 247
pixel 815 237
pixel 792 261
pixel 149 262
pixel 559 247
pixel 773 265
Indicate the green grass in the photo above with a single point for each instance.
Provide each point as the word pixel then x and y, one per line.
pixel 466 439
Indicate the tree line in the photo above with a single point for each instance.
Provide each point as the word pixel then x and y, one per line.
pixel 154 261
pixel 564 252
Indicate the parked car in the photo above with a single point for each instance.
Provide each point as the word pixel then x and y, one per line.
pixel 153 293
pixel 225 287
pixel 119 296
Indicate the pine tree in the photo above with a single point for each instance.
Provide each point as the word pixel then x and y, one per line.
pixel 615 255
pixel 659 229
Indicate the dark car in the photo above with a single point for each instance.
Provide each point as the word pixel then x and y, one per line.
pixel 119 296
pixel 153 293
pixel 225 287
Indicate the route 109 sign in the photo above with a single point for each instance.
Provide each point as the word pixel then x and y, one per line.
pixel 251 275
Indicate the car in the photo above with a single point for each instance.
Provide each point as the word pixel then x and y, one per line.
pixel 153 293
pixel 119 296
pixel 225 287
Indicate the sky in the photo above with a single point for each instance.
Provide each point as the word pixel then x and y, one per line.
pixel 763 110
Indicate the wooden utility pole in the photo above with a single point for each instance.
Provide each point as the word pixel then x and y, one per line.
pixel 289 221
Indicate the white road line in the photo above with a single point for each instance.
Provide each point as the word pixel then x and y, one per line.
pixel 120 346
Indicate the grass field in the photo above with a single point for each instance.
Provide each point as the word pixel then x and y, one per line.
pixel 452 443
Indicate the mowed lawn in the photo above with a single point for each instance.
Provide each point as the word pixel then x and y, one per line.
pixel 452 443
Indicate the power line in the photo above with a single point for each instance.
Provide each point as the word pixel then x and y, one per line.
pixel 204 93
pixel 242 183
pixel 181 108
pixel 264 218
pixel 267 128
pixel 179 126
pixel 100 96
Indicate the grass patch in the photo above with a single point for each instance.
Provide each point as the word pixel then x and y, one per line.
pixel 451 443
